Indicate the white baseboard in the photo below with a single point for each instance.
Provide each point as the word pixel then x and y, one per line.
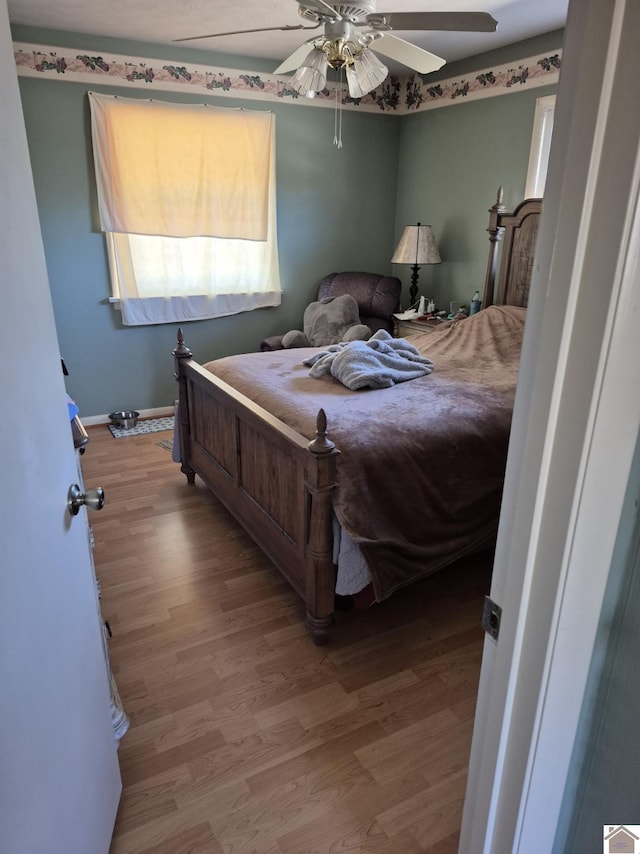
pixel 159 412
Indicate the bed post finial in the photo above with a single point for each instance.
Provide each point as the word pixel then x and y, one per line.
pixel 321 444
pixel 180 352
pixel 499 205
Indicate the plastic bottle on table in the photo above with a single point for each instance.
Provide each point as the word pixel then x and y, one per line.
pixel 476 303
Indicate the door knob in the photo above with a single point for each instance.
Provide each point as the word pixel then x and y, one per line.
pixel 92 499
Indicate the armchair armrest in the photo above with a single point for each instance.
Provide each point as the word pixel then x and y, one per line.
pixel 274 342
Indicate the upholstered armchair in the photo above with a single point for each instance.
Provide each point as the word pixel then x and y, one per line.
pixel 377 297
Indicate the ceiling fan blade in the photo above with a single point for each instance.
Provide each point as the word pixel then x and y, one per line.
pixel 472 22
pixel 240 32
pixel 292 62
pixel 408 54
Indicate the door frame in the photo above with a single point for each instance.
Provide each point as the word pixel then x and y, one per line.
pixel 574 433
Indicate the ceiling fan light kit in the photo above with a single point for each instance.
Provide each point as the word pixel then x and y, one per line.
pixel 342 46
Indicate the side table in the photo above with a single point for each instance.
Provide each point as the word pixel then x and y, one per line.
pixel 407 328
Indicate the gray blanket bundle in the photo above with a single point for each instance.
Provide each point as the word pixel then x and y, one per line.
pixel 380 362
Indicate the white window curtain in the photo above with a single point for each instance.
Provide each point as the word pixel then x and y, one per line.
pixel 186 197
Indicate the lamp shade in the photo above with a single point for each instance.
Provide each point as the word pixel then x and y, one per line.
pixel 416 246
pixel 311 76
pixel 365 74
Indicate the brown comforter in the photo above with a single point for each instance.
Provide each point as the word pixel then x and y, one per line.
pixel 422 463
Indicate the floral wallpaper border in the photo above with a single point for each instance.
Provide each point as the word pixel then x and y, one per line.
pixel 399 95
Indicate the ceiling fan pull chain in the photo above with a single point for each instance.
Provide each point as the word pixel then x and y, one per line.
pixel 337 124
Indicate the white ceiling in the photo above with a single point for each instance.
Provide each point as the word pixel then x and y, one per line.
pixel 162 21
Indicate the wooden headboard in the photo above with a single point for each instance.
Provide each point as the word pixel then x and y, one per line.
pixel 518 229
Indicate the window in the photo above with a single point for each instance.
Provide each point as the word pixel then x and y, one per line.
pixel 540 146
pixel 186 197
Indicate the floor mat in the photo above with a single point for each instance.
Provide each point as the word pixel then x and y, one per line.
pixel 149 425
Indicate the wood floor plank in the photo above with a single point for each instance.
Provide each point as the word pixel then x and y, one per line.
pixel 319 761
pixel 245 738
pixel 286 799
pixel 196 840
pixel 410 748
pixel 312 707
pixel 151 799
pixel 431 815
pixel 146 760
pixel 352 824
pixel 265 749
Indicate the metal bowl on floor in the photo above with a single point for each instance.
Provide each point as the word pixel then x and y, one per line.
pixel 124 420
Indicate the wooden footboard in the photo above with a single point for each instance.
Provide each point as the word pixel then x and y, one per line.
pixel 274 481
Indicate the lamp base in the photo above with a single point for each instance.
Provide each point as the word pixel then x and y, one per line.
pixel 413 290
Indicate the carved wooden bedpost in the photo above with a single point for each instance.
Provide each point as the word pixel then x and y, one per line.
pixel 181 353
pixel 320 589
pixel 495 236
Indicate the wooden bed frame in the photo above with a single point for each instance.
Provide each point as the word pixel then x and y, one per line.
pixel 518 230
pixel 275 482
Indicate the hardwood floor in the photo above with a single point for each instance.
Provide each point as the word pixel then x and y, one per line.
pixel 245 738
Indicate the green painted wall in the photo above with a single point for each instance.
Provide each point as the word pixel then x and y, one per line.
pixel 337 210
pixel 331 216
pixel 452 161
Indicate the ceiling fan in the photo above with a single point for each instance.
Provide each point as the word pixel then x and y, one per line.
pixel 352 35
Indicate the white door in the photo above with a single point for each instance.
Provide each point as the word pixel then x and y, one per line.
pixel 59 775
